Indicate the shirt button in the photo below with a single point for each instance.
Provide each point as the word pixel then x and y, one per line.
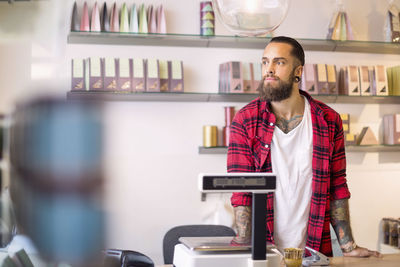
pixel 271 124
pixel 266 145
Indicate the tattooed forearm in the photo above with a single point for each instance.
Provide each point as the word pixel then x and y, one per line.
pixel 243 224
pixel 340 219
pixel 288 125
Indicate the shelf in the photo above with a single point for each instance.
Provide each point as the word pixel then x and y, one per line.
pixel 215 97
pixel 374 148
pixel 364 149
pixel 221 41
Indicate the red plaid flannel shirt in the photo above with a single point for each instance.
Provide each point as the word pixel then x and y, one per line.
pixel 249 151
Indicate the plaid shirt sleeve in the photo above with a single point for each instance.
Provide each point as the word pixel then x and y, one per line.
pixel 240 157
pixel 338 187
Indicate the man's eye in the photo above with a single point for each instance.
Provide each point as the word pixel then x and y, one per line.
pixel 280 63
pixel 264 62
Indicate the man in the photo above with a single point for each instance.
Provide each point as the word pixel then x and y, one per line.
pixel 301 140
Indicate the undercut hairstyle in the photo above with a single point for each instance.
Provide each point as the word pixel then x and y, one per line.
pixel 297 49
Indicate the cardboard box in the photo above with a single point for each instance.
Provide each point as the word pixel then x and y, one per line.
pixel 332 79
pixel 153 76
pixel 96 74
pixel 367 137
pixel 124 74
pixel 349 81
pixel 365 81
pixel 321 79
pixel 346 122
pixel 165 75
pixel 235 77
pixel 308 81
pixel 391 129
pixel 382 88
pixel 257 75
pixel 78 67
pixel 248 82
pixel 110 74
pixel 138 75
pixel 177 84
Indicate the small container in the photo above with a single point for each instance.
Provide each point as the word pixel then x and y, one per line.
pixel 207 19
pixel 293 257
pixel 210 136
pixel 225 132
pixel 229 114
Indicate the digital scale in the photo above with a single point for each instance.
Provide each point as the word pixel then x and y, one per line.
pixel 220 251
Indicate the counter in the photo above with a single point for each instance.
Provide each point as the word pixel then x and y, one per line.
pixel 388 260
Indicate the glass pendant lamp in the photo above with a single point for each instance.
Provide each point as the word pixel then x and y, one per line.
pixel 251 17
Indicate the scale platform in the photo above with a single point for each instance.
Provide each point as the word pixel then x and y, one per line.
pixel 215 252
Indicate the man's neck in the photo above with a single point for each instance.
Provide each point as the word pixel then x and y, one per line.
pixel 288 108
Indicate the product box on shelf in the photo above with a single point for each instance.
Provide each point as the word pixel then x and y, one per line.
pixel 332 79
pixel 96 74
pixel 257 75
pixel 381 81
pixel 232 77
pixel 365 81
pixel 346 122
pixel 308 81
pixel 165 75
pixel 367 137
pixel 110 74
pixel 350 139
pixel 349 81
pixel 247 68
pixel 393 80
pixel 124 74
pixel 321 79
pixel 153 76
pixel 138 75
pixel 176 67
pixel 391 129
pixel 78 66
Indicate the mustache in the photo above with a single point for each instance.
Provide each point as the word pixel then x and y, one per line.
pixel 269 76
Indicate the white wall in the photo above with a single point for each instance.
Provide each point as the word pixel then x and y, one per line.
pixel 152 159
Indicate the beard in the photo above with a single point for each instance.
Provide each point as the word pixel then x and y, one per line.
pixel 282 91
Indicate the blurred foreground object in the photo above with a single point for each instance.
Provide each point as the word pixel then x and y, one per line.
pixel 57 179
pixel 251 17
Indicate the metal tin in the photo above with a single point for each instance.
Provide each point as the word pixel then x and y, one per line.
pixel 210 136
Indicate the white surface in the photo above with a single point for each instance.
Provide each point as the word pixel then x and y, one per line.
pixel 291 156
pixel 386 249
pixel 152 148
pixel 184 257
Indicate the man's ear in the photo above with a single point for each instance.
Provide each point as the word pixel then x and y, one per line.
pixel 298 71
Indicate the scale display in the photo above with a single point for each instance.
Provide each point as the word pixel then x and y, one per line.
pixel 237 182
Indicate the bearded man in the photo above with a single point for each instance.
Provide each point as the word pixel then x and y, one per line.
pixel 301 140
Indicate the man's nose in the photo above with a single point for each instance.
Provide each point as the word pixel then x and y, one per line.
pixel 269 70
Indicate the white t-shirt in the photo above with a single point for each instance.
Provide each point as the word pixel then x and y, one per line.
pixel 291 156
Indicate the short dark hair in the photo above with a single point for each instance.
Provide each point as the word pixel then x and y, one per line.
pixel 297 49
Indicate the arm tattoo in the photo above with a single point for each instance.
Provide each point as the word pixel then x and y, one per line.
pixel 288 125
pixel 243 223
pixel 340 219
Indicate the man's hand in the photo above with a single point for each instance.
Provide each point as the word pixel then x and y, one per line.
pixel 362 252
pixel 340 219
pixel 243 224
